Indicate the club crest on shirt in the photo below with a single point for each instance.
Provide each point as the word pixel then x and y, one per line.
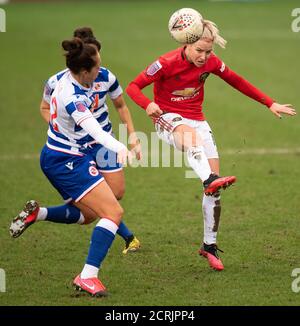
pixel 97 86
pixel 153 68
pixel 203 76
pixel 93 171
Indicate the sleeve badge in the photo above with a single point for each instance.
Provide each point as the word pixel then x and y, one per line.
pixel 153 68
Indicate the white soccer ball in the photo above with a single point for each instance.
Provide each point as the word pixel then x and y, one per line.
pixel 186 26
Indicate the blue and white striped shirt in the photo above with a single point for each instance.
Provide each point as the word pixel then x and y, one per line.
pixel 68 98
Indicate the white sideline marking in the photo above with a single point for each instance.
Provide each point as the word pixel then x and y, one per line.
pixel 232 151
pixel 7 157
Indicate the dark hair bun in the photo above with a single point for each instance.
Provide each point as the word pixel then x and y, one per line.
pixel 83 32
pixel 79 55
pixel 74 46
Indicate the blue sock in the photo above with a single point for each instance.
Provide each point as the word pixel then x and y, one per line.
pixel 67 214
pixel 100 243
pixel 124 232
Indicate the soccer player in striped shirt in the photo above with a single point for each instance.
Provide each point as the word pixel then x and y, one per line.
pixel 105 84
pixel 179 77
pixel 67 159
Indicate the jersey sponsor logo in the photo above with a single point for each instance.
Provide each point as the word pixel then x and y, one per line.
pixel 203 76
pixel 222 67
pixel 69 165
pixel 93 171
pixel 154 68
pixel 187 92
pixel 80 106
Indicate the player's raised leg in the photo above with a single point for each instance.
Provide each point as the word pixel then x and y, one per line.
pixel 193 141
pixel 186 138
pixel 211 208
pixel 25 218
pixel 65 214
pixel 74 213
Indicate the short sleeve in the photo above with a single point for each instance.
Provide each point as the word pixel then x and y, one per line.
pixel 49 88
pixel 115 90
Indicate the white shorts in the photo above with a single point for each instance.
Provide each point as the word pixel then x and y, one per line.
pixel 167 122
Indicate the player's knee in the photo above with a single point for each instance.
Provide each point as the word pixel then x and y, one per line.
pixel 89 219
pixel 117 215
pixel 116 212
pixel 119 194
pixel 186 137
pixel 120 213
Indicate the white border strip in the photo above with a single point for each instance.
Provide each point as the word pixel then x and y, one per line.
pixel 110 171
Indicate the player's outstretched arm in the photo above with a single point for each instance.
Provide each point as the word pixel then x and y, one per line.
pixel 279 109
pixel 250 90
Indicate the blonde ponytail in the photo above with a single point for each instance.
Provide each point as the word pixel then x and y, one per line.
pixel 210 31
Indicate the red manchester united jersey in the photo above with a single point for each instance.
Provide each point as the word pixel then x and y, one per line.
pixel 179 84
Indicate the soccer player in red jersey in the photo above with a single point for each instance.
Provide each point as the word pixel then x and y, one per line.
pixel 179 77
